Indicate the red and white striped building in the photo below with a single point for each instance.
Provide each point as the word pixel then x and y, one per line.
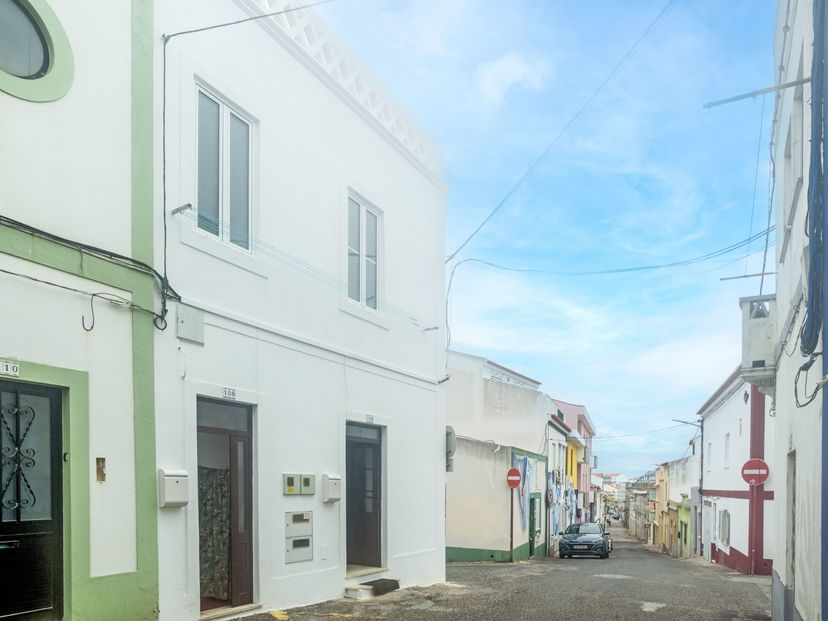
pixel 736 517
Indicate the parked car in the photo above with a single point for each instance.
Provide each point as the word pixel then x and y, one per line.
pixel 587 539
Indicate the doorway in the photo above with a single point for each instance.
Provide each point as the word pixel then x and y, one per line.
pixel 31 502
pixel 225 490
pixel 363 500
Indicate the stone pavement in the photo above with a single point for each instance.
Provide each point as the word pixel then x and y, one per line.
pixel 633 583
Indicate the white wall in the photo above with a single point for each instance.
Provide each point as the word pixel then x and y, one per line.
pixel 797 428
pixel 295 347
pixel 484 408
pixel 67 164
pixel 47 330
pixel 477 497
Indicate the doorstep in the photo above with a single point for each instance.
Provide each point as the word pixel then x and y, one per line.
pixel 226 612
pixel 357 571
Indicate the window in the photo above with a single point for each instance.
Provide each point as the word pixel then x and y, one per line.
pixel 36 61
pixel 223 193
pixel 727 451
pixel 23 49
pixel 724 527
pixel 363 253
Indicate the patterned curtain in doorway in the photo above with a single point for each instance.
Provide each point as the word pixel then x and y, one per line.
pixel 214 532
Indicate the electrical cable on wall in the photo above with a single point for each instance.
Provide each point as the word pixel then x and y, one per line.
pixel 163 285
pixel 812 323
pixel 112 298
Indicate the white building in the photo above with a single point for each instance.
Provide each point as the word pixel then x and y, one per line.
pixel 298 387
pixel 489 402
pixel 737 518
pixel 486 520
pixel 77 530
pixel 772 353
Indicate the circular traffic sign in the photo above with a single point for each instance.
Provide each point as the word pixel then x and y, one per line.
pixel 513 477
pixel 755 471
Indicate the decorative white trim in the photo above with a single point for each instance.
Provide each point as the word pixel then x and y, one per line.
pixel 304 35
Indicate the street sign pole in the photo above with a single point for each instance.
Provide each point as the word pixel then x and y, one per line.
pixel 512 480
pixel 511 524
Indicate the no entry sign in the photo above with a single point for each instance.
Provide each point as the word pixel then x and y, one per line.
pixel 755 472
pixel 513 477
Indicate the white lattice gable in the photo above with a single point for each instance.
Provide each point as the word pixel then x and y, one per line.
pixel 309 35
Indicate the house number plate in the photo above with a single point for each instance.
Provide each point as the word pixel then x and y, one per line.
pixel 228 393
pixel 7 367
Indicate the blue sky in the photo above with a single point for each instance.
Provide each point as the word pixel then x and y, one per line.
pixel 645 176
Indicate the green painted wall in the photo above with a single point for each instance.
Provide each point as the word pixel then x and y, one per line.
pixel 470 555
pixel 130 596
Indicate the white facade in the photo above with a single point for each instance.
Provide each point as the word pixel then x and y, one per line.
pixel 487 401
pixel 796 522
pixel 280 332
pixel 478 503
pixel 728 431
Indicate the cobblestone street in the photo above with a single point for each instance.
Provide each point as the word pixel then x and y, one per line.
pixel 634 583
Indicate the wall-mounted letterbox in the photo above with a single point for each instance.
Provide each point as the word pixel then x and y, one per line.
pixel 173 488
pixel 299 549
pixel 331 487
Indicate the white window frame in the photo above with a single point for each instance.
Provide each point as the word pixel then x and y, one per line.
pixel 364 206
pixel 226 109
pixel 727 450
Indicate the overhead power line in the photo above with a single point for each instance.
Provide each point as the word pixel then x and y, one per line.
pixel 621 270
pixel 568 125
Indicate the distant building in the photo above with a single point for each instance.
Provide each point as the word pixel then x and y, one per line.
pixel 580 458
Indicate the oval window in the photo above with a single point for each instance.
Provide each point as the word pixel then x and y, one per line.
pixel 23 49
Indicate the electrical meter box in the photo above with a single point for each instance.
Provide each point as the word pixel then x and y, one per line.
pixel 331 487
pixel 298 549
pixel 290 484
pixel 298 536
pixel 173 488
pixel 307 484
pixel 298 524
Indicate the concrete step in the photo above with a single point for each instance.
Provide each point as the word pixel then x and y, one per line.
pixel 359 591
pixel 372 588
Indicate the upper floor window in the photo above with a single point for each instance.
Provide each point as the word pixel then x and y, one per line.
pixel 363 252
pixel 23 49
pixel 223 198
pixel 36 61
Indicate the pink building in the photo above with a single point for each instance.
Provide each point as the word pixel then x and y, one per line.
pixel 577 418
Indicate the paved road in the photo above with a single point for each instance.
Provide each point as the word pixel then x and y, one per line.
pixel 634 583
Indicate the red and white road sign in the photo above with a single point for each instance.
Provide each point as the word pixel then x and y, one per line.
pixel 755 472
pixel 513 477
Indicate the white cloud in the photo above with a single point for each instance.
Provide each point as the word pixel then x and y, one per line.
pixel 496 78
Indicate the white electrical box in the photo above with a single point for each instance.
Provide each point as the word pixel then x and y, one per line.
pixel 290 484
pixel 307 484
pixel 298 524
pixel 173 488
pixel 331 487
pixel 299 549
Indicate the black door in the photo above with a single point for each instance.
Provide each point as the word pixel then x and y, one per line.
pixel 225 486
pixel 363 471
pixel 31 517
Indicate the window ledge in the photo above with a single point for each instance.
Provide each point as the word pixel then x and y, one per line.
pixel 355 309
pixel 191 236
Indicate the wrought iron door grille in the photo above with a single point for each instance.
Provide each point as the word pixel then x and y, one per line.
pixel 17 493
